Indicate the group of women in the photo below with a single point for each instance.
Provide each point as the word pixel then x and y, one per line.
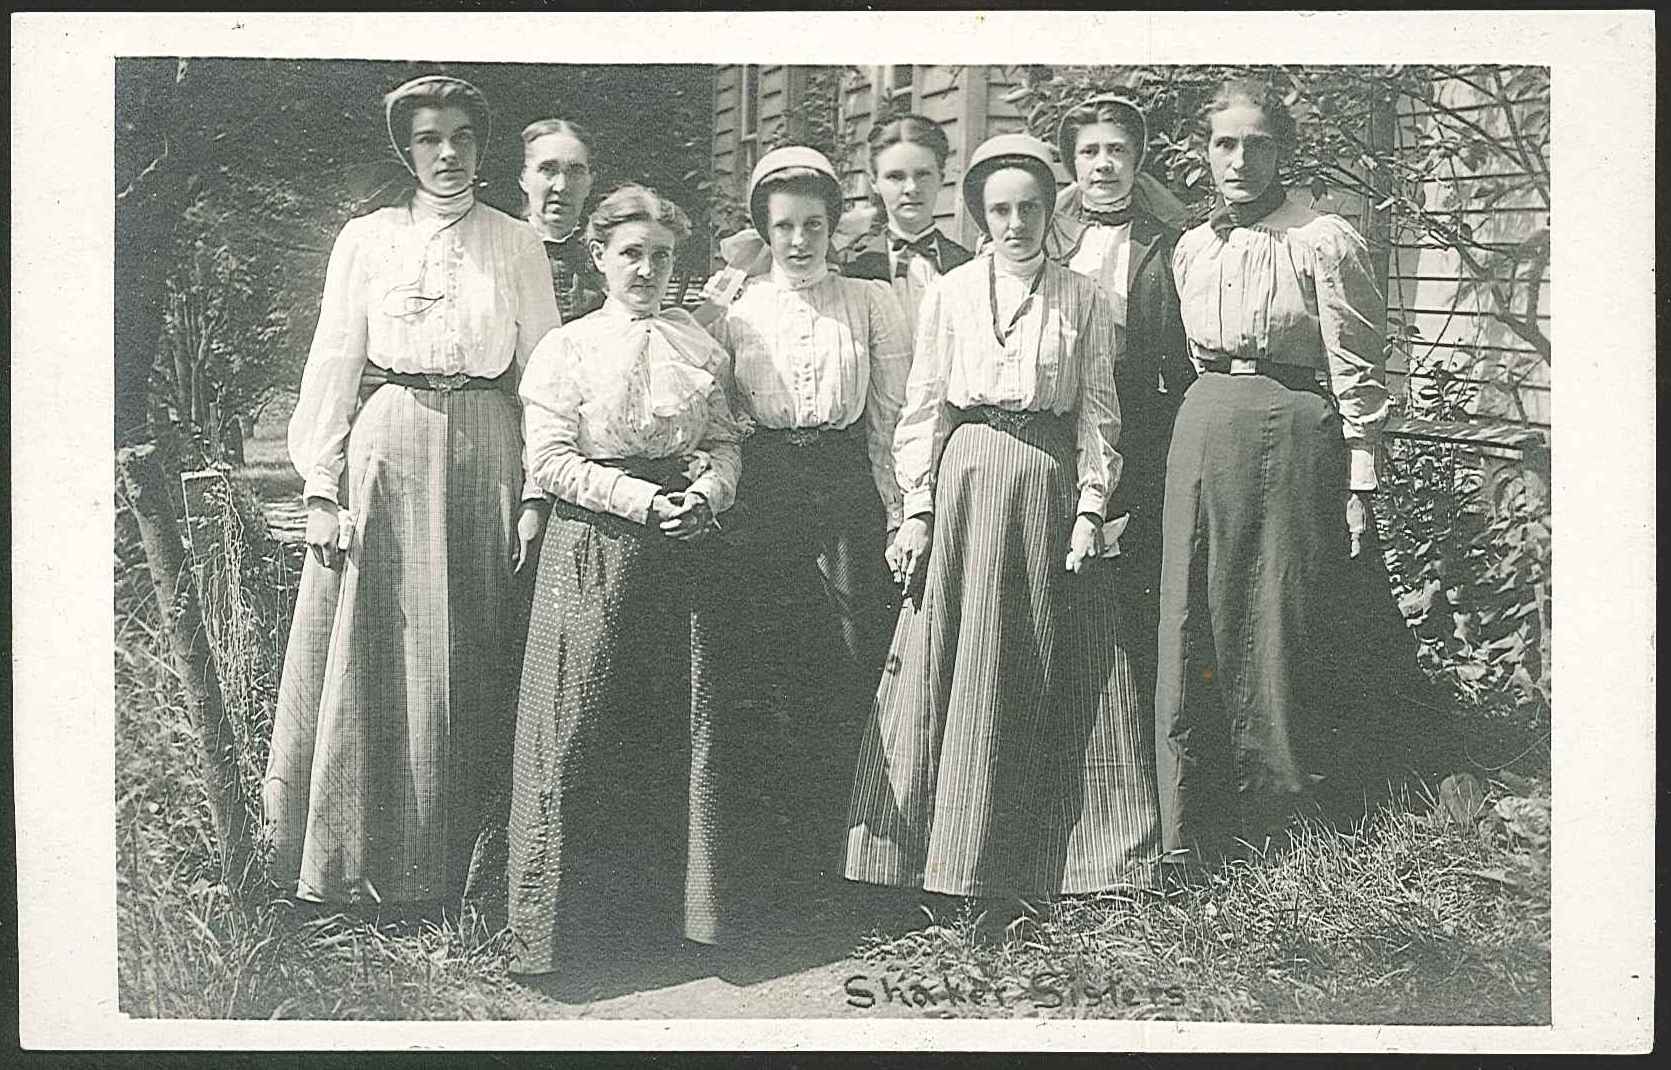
pixel 1072 502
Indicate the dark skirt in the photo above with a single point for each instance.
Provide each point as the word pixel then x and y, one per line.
pixel 615 804
pixel 811 606
pixel 1006 752
pixel 398 692
pixel 1254 535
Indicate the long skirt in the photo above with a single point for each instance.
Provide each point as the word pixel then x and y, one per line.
pixel 1006 753
pixel 399 684
pixel 811 606
pixel 616 809
pixel 1254 535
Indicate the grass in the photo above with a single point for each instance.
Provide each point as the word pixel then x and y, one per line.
pixel 1407 918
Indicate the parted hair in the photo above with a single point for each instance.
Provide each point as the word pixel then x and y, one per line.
pixel 1261 94
pixel 1123 115
pixel 916 129
pixel 541 127
pixel 633 203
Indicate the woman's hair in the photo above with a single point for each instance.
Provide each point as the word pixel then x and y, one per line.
pixel 916 129
pixel 1260 94
pixel 1123 115
pixel 541 127
pixel 633 203
pixel 435 92
pixel 803 180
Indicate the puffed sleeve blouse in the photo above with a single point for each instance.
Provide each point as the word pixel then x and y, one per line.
pixel 1058 356
pixel 612 385
pixel 822 355
pixel 412 289
pixel 1294 288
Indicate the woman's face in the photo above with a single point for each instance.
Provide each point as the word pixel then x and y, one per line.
pixel 800 230
pixel 1105 161
pixel 556 178
pixel 636 264
pixel 1242 151
pixel 443 149
pixel 908 180
pixel 1016 207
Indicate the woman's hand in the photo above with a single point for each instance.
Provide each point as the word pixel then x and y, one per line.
pixel 1357 520
pixel 529 523
pixel 681 515
pixel 909 549
pixel 1085 544
pixel 324 531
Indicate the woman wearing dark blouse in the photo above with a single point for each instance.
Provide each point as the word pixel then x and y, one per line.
pixel 1109 228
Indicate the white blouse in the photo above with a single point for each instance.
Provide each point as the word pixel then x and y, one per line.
pixel 1058 356
pixel 1294 288
pixel 822 354
pixel 1104 254
pixel 612 385
pixel 422 288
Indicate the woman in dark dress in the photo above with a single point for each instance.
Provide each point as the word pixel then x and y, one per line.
pixel 1108 228
pixel 1273 449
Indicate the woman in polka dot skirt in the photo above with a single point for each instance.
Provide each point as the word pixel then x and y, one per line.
pixel 614 800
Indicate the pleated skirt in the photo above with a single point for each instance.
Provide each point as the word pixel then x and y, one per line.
pixel 1254 539
pixel 1006 753
pixel 616 820
pixel 398 691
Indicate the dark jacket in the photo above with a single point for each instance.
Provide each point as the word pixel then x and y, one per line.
pixel 1156 356
pixel 868 257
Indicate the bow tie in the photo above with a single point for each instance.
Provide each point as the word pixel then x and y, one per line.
pixel 903 249
pixel 1111 217
pixel 1226 216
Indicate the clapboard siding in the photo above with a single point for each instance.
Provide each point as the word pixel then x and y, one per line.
pixel 1453 317
pixel 776 121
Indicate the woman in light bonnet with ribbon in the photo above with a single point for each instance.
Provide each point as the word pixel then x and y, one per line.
pixel 398 690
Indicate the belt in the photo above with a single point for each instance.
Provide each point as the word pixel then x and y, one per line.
pixel 444 384
pixel 669 472
pixel 805 437
pixel 1011 420
pixel 1294 376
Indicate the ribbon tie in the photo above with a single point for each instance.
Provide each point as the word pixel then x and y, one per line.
pixel 923 245
pixel 1227 216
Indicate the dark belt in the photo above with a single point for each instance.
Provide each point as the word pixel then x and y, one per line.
pixel 1010 420
pixel 807 437
pixel 668 472
pixel 1293 376
pixel 376 376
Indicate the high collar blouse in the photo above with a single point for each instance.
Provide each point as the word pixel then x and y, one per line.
pixel 1294 288
pixel 822 355
pixel 415 289
pixel 1058 356
pixel 612 385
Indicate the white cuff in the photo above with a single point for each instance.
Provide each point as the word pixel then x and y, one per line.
pixel 1362 468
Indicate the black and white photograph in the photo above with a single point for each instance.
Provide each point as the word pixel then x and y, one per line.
pixel 821 552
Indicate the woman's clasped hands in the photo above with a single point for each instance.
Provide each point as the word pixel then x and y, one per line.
pixel 681 514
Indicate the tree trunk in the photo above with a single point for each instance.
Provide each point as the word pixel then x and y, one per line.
pixel 142 472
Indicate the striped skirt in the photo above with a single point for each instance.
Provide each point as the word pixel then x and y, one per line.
pixel 1254 537
pixel 399 684
pixel 616 809
pixel 1006 753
